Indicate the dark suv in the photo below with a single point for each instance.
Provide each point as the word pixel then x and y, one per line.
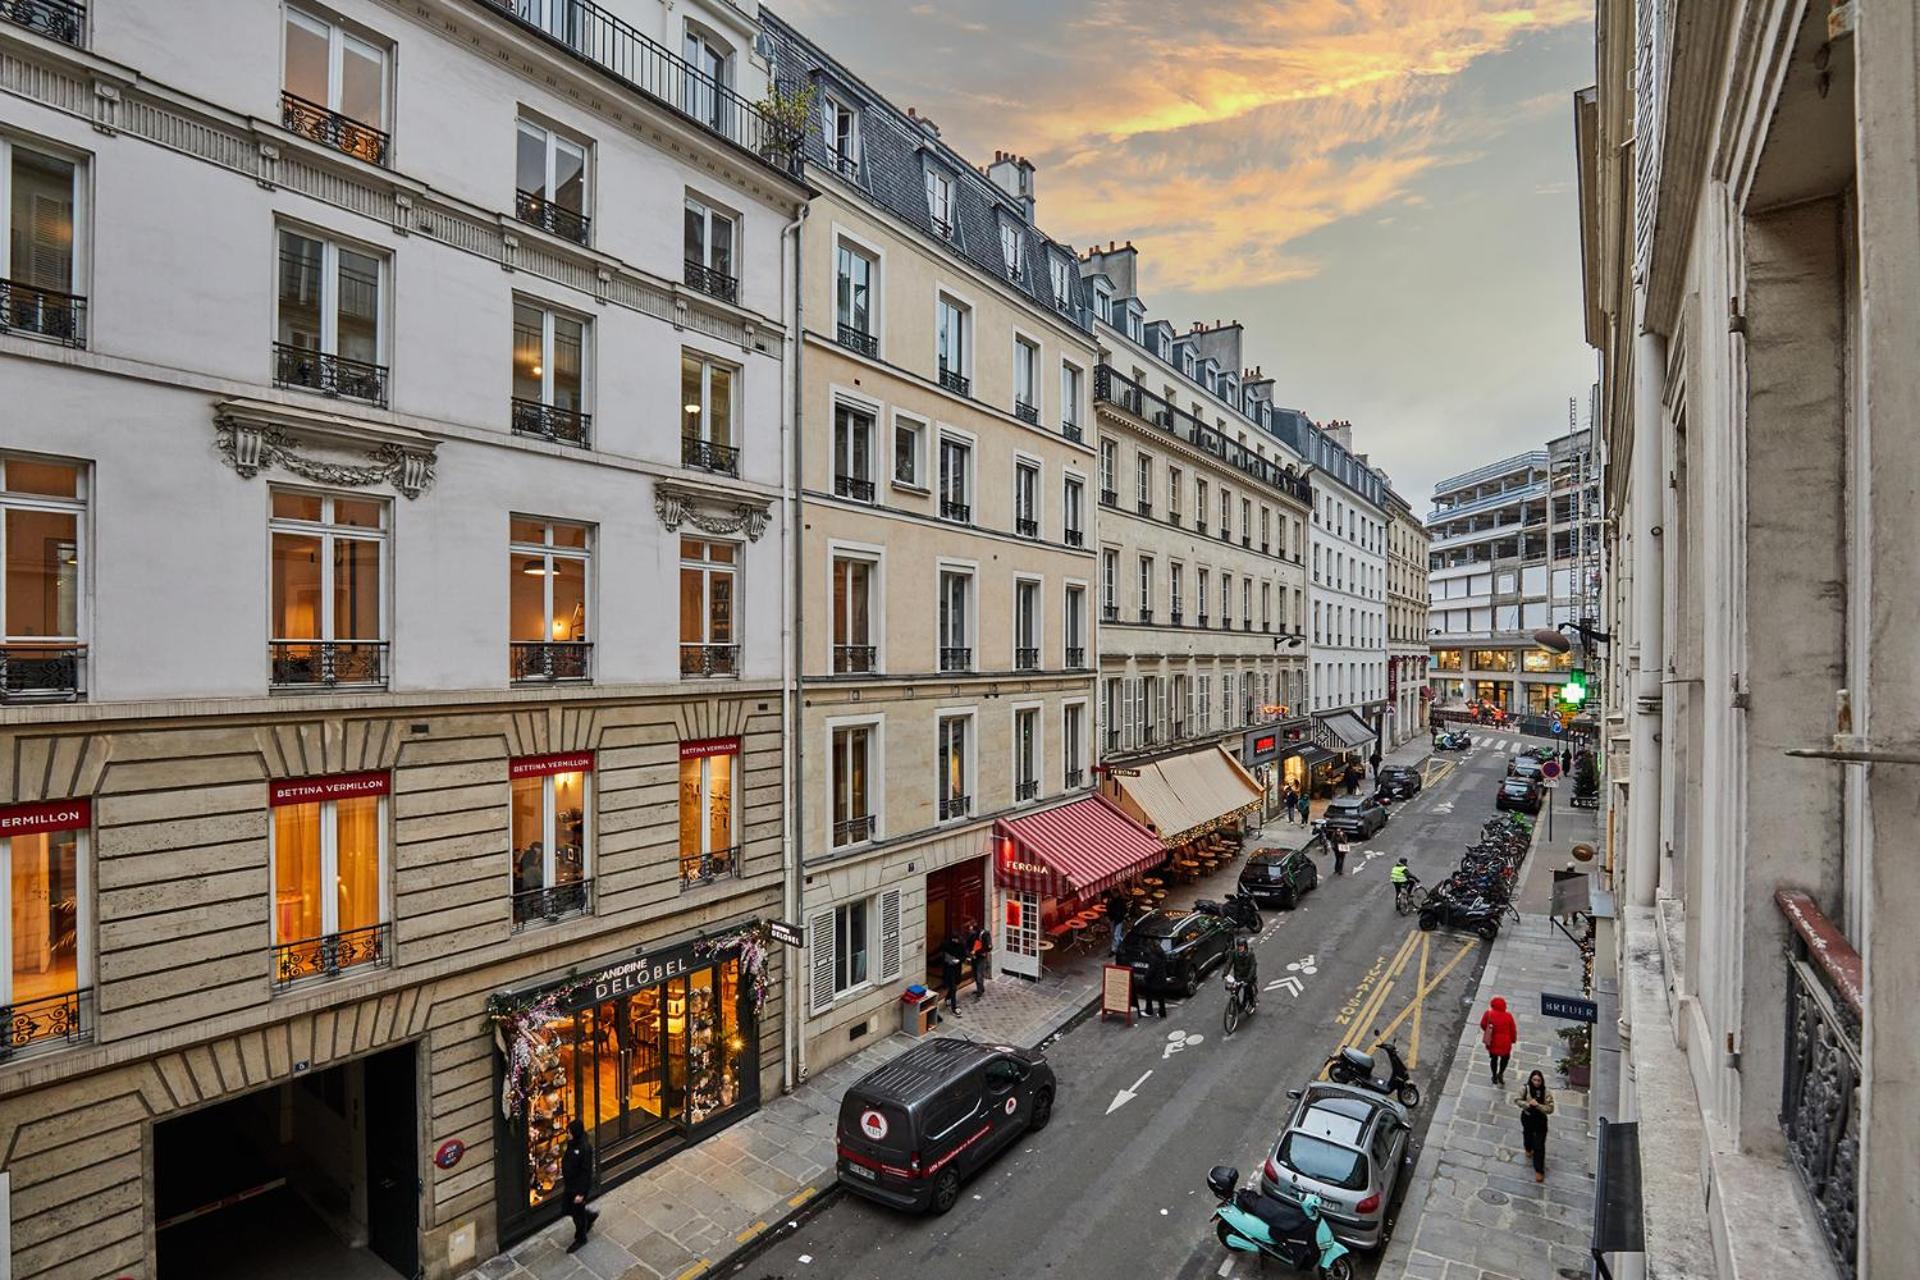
pixel 1193 944
pixel 1354 817
pixel 1397 782
pixel 1278 876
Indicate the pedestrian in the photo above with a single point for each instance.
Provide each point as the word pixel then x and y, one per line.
pixel 1536 1104
pixel 1289 800
pixel 1566 760
pixel 1374 760
pixel 576 1180
pixel 1352 778
pixel 1339 843
pixel 980 951
pixel 1119 934
pixel 1150 983
pixel 953 954
pixel 1498 1031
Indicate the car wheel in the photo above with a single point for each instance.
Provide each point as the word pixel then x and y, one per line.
pixel 1489 931
pixel 1043 1109
pixel 1290 900
pixel 1192 984
pixel 946 1192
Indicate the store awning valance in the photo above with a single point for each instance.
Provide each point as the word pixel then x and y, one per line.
pixel 1313 757
pixel 1080 849
pixel 1347 729
pixel 1183 796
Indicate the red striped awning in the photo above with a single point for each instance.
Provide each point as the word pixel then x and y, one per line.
pixel 1078 849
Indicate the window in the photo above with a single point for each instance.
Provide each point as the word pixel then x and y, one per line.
pixel 1226 514
pixel 335 91
pixel 547 565
pixel 1175 573
pixel 549 374
pixel 327 335
pixel 1073 718
pixel 956 484
pixel 1026 625
pixel 709 789
pixel 1143 483
pixel 853 453
pixel 1070 383
pixel 1103 302
pixel 1109 464
pixel 1266 606
pixel 1246 604
pixel 1075 628
pixel 853 299
pixel 1266 529
pixel 842 127
pixel 1062 282
pixel 328 624
pixel 953 785
pixel 709 66
pixel 1174 478
pixel 1203 702
pixel 940 203
pixel 42 519
pixel 1535 660
pixel 39 203
pixel 956 622
pixel 1246 522
pixel 1026 499
pixel 1199 504
pixel 1026 753
pixel 1109 571
pixel 45 906
pixel 907 437
pixel 1200 595
pixel 951 344
pixel 1072 503
pixel 709 639
pixel 1146 588
pixel 1026 380
pixel 549 827
pixel 550 182
pixel 1111 712
pixel 852 949
pixel 329 854
pixel 710 250
pixel 1226 599
pixel 854 652
pixel 855 753
pixel 1010 249
pixel 706 414
pixel 1493 660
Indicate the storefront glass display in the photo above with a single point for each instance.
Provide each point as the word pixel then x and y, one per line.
pixel 329 838
pixel 550 836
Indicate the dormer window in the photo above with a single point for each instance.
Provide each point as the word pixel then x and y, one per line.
pixel 1103 306
pixel 1137 325
pixel 1062 271
pixel 1166 347
pixel 1186 361
pixel 709 64
pixel 841 124
pixel 1209 380
pixel 1226 390
pixel 1010 247
pixel 940 203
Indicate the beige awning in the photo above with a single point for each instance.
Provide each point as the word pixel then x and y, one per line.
pixel 1181 796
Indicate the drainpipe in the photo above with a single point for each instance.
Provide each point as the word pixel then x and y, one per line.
pixel 1649 501
pixel 793 1063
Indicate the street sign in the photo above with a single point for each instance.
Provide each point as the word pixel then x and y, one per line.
pixel 786 934
pixel 1550 769
pixel 1557 726
pixel 1572 1008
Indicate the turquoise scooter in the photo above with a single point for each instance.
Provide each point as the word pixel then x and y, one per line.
pixel 1250 1222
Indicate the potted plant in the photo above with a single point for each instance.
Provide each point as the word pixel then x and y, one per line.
pixel 1577 1066
pixel 787 113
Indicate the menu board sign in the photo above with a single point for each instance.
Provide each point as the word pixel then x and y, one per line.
pixel 1116 991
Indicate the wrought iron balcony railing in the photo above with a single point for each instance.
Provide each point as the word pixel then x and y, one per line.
pixel 552 902
pixel 62 20
pixel 535 660
pixel 1110 613
pixel 942 228
pixel 1109 498
pixel 704 866
pixel 958 383
pixel 1173 617
pixel 722 459
pixel 331 129
pixel 1026 527
pixel 44 313
pixel 951 510
pixel 305 664
pixel 328 955
pixel 1173 517
pixel 1113 740
pixel 65 1017
pixel 1146 613
pixel 860 340
pixel 1820 1096
pixel 712 281
pixel 552 423
pixel 1073 778
pixel 1075 538
pixel 1026 659
pixel 1026 412
pixel 955 806
pixel 1200 620
pixel 1113 387
pixel 853 487
pixel 1200 526
pixel 1246 540
pixel 853 830
pixel 1026 789
pixel 554 219
pixel 956 658
pixel 1145 507
pixel 854 659
pixel 709 660
pixel 843 164
pixel 1071 430
pixel 329 375
pixel 42 673
pixel 1076 656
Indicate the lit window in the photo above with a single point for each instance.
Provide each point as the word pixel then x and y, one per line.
pixel 709 832
pixel 549 374
pixel 953 785
pixel 328 601
pixel 550 182
pixel 709 636
pixel 551 875
pixel 335 88
pixel 854 756
pixel 46 976
pixel 328 329
pixel 547 563
pixel 42 510
pixel 706 414
pixel 329 856
pixel 38 264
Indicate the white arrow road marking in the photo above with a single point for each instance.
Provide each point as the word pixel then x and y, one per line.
pixel 1445 806
pixel 1125 1096
pixel 1289 982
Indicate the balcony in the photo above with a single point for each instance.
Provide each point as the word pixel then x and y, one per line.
pixel 1026 528
pixel 721 459
pixel 1820 1097
pixel 712 281
pixel 552 423
pixel 328 955
pixel 1026 789
pixel 551 218
pixel 1074 779
pixel 48 1022
pixel 848 831
pixel 334 376
pixel 854 659
pixel 955 658
pixel 43 313
pixel 1076 656
pixel 42 673
pixel 1200 527
pixel 331 129
pixel 1114 388
pixel 705 661
pixel 1108 498
pixel 1200 620
pixel 552 903
pixel 704 866
pixel 955 806
pixel 956 511
pixel 1113 741
pixel 533 661
pixel 1071 431
pixel 1074 538
pixel 859 340
pixel 958 383
pixel 844 165
pixel 1146 614
pixel 853 487
pixel 1027 413
pixel 1026 659
pixel 1173 617
pixel 942 228
pixel 325 664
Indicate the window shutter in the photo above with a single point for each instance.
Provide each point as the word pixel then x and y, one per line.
pixel 1160 707
pixel 1126 710
pixel 889 935
pixel 820 962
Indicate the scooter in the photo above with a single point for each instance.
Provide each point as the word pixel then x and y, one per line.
pixel 1249 1221
pixel 1351 1066
pixel 1454 741
pixel 1241 909
pixel 1476 915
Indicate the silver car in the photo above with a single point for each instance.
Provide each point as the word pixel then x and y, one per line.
pixel 1348 1146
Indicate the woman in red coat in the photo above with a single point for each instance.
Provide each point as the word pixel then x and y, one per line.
pixel 1498 1032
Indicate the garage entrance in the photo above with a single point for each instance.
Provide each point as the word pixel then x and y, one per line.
pixel 315 1179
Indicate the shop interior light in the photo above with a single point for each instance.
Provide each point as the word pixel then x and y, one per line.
pixel 535 567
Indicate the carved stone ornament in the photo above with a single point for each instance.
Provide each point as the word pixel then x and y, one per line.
pixel 709 513
pixel 250 445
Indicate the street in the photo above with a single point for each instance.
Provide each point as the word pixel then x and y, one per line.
pixel 1116 1185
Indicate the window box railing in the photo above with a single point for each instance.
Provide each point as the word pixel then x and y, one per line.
pixel 329 954
pixel 843 164
pixel 1173 617
pixel 1149 735
pixel 1145 507
pixel 958 383
pixel 554 219
pixel 951 510
pixel 860 340
pixel 709 660
pixel 1200 620
pixel 535 660
pixel 853 830
pixel 1076 657
pixel 956 658
pixel 942 228
pixel 1115 388
pixel 1820 1094
pixel 1074 778
pixel 42 673
pixel 552 903
pixel 1200 527
pixel 62 20
pixel 1178 731
pixel 1071 431
pixel 330 375
pixel 331 129
pixel 1027 413
pixel 1226 623
pixel 955 806
pixel 44 313
pixel 712 281
pixel 65 1018
pixel 1026 789
pixel 1110 613
pixel 1109 498
pixel 1246 540
pixel 1075 538
pixel 1146 614
pixel 853 487
pixel 1226 534
pixel 1265 549
pixel 723 459
pixel 1246 624
pixel 1026 659
pixel 552 423
pixel 1027 528
pixel 707 865
pixel 1173 518
pixel 306 664
pixel 854 659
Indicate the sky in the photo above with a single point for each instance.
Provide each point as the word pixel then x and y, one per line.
pixel 1381 191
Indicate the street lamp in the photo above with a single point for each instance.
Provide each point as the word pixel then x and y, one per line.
pixel 1553 638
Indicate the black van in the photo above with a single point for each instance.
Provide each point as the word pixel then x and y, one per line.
pixel 913 1129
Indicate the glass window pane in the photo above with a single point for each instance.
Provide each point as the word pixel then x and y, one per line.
pixel 691 398
pixel 358 873
pixel 54 479
pixel 569 344
pixel 526 597
pixel 529 833
pixel 569 827
pixel 42 224
pixel 356 589
pixel 296 873
pixel 569 176
pixel 692 606
pixel 528 371
pixel 296 602
pixel 359 307
pixel 306 59
pixel 691 811
pixel 359 513
pixel 291 505
pixel 692 549
pixel 696 234
pixel 720 405
pixel 45 886
pixel 42 574
pixel 570 535
pixel 720 606
pixel 361 97
pixel 722 238
pixel 569 600
pixel 300 287
pixel 720 552
pixel 720 775
pixel 530 160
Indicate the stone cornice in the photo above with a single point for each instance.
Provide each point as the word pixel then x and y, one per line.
pixel 1692 84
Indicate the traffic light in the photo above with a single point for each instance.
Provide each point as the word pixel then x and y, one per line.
pixel 1574 692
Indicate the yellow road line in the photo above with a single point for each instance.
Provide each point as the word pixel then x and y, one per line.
pixel 694 1270
pixel 1420 1002
pixel 806 1194
pixel 1421 995
pixel 751 1232
pixel 1377 997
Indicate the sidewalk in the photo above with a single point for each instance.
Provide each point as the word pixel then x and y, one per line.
pixel 1472 1209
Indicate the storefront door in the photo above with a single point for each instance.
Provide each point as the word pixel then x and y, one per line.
pixel 1019 945
pixel 956 897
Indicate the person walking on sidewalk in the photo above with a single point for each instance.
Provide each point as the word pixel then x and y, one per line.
pixel 1498 1031
pixel 1374 760
pixel 980 952
pixel 1290 801
pixel 953 955
pixel 576 1181
pixel 1536 1104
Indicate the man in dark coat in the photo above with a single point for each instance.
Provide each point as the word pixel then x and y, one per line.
pixel 1374 760
pixel 1150 982
pixel 980 955
pixel 576 1180
pixel 953 955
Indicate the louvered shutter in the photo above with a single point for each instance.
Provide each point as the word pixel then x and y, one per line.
pixel 1126 712
pixel 820 962
pixel 1160 706
pixel 890 935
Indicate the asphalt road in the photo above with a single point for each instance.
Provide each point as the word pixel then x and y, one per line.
pixel 1116 1185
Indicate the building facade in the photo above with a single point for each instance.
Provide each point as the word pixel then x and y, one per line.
pixel 945 471
pixel 355 330
pixel 1750 227
pixel 1407 690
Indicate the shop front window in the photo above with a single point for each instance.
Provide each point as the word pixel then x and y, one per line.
pixel 1491 692
pixel 1446 659
pixel 329 875
pixel 44 996
pixel 1540 699
pixel 551 874
pixel 1539 661
pixel 1493 659
pixel 709 834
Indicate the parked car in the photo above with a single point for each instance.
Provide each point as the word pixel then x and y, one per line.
pixel 912 1130
pixel 1348 1146
pixel 1280 876
pixel 1524 766
pixel 1355 817
pixel 1518 793
pixel 1193 944
pixel 1397 782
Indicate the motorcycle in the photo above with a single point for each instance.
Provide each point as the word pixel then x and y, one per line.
pixel 1241 1002
pixel 1241 909
pixel 1351 1066
pixel 1249 1221
pixel 1454 741
pixel 1476 915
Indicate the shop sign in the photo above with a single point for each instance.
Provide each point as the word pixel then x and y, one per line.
pixel 336 786
pixel 449 1153
pixel 540 766
pixel 1028 868
pixel 1278 710
pixel 787 935
pixel 709 747
pixel 636 975
pixel 46 815
pixel 1572 1008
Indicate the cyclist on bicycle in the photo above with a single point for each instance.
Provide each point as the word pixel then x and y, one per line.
pixel 1403 879
pixel 1245 969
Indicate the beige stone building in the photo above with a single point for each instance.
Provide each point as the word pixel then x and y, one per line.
pixel 946 567
pixel 1407 691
